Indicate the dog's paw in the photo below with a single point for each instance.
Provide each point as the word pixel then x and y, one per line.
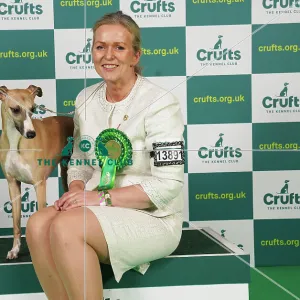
pixel 12 254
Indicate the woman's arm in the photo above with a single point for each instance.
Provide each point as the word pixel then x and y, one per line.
pixel 132 196
pixel 163 123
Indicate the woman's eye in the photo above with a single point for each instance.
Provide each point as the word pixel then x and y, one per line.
pixel 120 48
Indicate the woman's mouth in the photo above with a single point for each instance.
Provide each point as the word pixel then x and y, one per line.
pixel 109 67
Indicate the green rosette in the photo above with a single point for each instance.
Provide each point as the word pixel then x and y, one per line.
pixel 113 150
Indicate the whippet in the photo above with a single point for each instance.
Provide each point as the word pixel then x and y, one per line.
pixel 24 143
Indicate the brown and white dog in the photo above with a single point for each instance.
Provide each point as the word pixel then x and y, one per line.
pixel 24 143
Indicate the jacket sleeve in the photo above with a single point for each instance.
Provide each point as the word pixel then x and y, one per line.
pixel 164 124
pixel 76 171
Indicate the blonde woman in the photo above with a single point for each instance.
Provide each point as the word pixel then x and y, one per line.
pixel 138 220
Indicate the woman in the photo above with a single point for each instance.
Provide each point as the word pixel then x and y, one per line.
pixel 142 219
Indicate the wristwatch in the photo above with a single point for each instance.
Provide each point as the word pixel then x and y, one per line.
pixel 107 198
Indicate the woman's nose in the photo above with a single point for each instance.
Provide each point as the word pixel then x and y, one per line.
pixel 109 53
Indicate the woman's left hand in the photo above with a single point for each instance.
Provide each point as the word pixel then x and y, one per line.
pixel 79 198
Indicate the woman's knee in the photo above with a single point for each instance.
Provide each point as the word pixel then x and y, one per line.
pixel 71 225
pixel 64 228
pixel 39 222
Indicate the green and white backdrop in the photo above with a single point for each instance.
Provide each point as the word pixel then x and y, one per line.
pixel 235 67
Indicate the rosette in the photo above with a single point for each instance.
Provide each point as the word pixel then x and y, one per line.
pixel 113 150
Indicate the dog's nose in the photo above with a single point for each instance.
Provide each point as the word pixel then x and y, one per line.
pixel 30 134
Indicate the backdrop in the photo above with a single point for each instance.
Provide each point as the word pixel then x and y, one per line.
pixel 234 65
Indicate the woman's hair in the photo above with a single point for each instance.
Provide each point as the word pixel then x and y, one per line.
pixel 126 21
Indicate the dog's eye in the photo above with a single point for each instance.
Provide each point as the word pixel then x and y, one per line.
pixel 15 110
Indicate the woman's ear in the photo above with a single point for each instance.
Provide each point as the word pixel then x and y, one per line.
pixel 137 57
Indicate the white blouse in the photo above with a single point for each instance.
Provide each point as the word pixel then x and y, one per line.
pixel 154 116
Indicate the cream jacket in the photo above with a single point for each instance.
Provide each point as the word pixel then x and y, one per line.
pixel 154 115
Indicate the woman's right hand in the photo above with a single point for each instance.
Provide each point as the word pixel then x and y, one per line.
pixel 73 188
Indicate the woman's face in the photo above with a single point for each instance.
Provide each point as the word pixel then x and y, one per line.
pixel 113 53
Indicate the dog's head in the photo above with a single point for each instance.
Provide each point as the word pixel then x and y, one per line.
pixel 19 106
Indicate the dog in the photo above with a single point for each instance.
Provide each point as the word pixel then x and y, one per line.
pixel 22 138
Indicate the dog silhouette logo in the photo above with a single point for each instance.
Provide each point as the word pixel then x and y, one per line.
pixel 219 142
pixel 25 197
pixel 67 150
pixel 284 91
pixel 102 149
pixel 88 46
pixel 218 44
pixel 285 188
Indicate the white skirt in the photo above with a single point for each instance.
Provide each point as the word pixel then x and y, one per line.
pixel 135 238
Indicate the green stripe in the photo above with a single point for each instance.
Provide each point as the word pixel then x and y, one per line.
pixel 179 271
pixel 9 231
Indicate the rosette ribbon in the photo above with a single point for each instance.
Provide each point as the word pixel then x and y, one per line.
pixel 113 150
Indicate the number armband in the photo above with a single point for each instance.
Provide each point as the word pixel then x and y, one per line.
pixel 168 153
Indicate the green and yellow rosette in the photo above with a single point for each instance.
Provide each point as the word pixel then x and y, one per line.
pixel 113 150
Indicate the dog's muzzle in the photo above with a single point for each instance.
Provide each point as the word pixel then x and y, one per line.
pixel 30 134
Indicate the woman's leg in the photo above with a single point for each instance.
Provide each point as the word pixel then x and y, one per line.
pixel 38 240
pixel 77 255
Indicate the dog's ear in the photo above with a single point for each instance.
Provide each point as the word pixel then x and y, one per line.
pixel 35 90
pixel 3 92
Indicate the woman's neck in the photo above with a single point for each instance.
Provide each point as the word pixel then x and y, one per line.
pixel 116 92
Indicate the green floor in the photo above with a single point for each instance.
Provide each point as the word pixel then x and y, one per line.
pixel 263 289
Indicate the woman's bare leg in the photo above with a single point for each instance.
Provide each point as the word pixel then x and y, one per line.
pixel 77 255
pixel 38 240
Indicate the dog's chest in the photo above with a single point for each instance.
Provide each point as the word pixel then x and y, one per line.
pixel 16 167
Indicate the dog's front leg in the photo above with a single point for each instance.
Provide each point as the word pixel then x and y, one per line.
pixel 40 190
pixel 14 187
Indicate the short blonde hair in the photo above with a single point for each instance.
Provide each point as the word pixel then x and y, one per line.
pixel 126 21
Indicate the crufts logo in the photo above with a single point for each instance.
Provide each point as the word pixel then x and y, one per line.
pixel 81 59
pixel 280 4
pixel 219 153
pixel 219 54
pixel 282 200
pixel 284 102
pixel 20 8
pixel 163 7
